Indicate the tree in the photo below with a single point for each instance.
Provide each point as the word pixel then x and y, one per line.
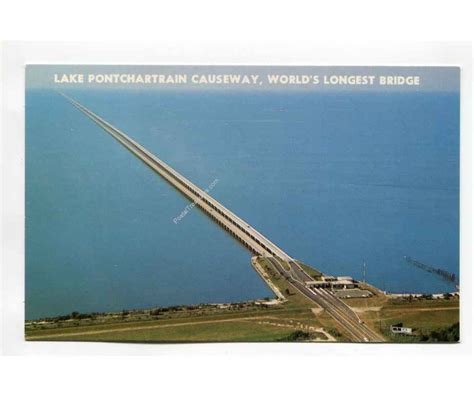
pixel 296 336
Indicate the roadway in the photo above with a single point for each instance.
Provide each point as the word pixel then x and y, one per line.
pixel 335 307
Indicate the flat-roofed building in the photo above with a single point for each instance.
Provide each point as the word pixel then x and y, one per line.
pixel 318 284
pixel 345 278
pixel 400 329
pixel 342 284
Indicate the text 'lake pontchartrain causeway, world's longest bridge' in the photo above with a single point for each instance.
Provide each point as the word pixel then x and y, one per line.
pixel 245 234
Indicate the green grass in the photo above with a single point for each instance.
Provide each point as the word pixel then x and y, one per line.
pixel 210 329
pixel 188 328
pixel 233 331
pixel 310 270
pixel 423 316
pixel 295 298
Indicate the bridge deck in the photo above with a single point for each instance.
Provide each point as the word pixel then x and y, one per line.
pixel 236 226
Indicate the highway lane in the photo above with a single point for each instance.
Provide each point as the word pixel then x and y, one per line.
pixel 337 309
pixel 350 316
pixel 319 300
pixel 299 272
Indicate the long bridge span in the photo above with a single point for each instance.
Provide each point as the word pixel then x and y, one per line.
pixel 243 232
pixel 236 226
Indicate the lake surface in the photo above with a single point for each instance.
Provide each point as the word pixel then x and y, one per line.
pixel 336 180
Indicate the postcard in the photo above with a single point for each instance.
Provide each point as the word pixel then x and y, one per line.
pixel 183 204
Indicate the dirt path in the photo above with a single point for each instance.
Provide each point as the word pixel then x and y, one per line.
pixel 146 327
pixel 366 309
pixel 421 309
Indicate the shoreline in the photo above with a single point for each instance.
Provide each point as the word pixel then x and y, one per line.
pixel 278 299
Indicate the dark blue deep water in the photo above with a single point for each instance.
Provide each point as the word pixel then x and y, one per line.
pixel 334 179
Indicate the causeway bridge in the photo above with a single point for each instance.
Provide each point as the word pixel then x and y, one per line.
pixel 244 233
pixel 241 230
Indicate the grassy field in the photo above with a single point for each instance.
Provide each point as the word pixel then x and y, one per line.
pixel 247 321
pixel 262 329
pixel 422 315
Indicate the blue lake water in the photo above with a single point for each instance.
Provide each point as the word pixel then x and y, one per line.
pixel 334 179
